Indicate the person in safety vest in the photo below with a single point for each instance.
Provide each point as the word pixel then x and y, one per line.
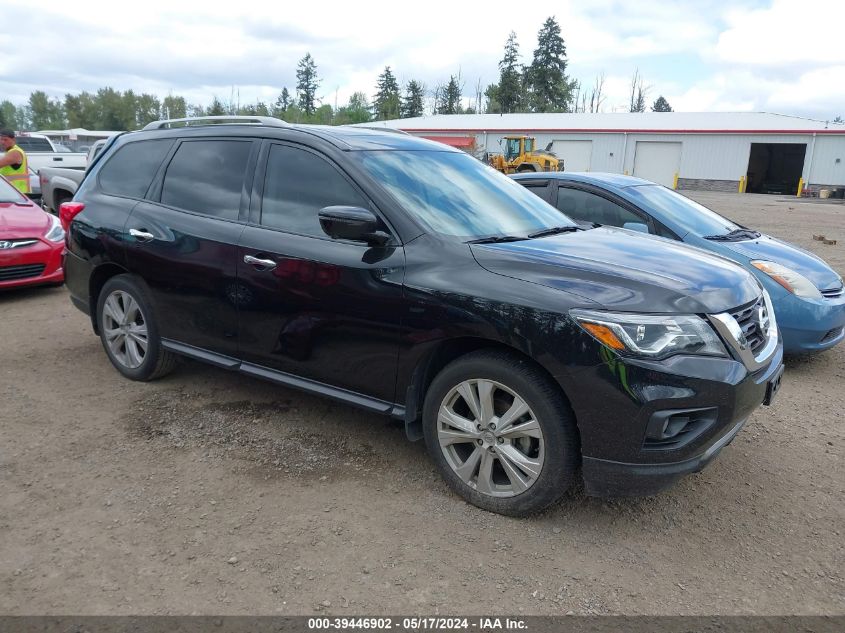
pixel 13 164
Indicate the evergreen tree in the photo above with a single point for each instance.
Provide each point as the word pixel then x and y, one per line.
pixel 147 109
pixel 306 84
pixel 358 110
pixel 509 90
pixel 9 116
pixel 492 95
pixel 386 102
pixel 174 107
pixel 412 104
pixel 216 108
pixel 46 113
pixel 661 105
pixel 450 97
pixel 550 87
pixel 282 104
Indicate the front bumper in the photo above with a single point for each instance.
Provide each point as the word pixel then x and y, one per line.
pixel 34 265
pixel 810 325
pixel 616 416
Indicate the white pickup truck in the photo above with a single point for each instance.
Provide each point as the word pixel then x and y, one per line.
pixel 40 152
pixel 58 184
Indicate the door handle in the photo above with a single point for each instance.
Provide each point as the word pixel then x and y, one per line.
pixel 143 236
pixel 267 264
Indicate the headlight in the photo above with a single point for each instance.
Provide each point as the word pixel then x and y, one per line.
pixel 651 336
pixel 56 232
pixel 794 282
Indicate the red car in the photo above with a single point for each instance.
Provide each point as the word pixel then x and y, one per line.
pixel 31 242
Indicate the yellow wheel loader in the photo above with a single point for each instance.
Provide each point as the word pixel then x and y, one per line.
pixel 521 156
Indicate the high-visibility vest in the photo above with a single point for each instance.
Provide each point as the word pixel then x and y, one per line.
pixel 19 178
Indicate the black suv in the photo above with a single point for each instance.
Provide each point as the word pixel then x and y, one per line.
pixel 410 279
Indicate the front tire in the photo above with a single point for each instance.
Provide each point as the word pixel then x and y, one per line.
pixel 501 433
pixel 129 332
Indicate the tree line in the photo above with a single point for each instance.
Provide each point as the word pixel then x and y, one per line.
pixel 543 85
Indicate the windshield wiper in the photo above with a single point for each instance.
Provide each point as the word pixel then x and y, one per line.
pixel 555 230
pixel 496 239
pixel 734 236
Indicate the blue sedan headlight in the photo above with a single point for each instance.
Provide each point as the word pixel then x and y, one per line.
pixel 794 282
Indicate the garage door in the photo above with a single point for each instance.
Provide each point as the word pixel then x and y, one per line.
pixel 658 162
pixel 576 155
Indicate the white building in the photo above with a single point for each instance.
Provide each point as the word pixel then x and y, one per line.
pixel 711 150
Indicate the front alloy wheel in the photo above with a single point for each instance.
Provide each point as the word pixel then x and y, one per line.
pixel 490 438
pixel 501 432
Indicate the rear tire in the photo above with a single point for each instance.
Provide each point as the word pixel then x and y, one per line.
pixel 515 448
pixel 129 332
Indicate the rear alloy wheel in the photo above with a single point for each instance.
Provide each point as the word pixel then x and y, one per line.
pixel 128 331
pixel 501 433
pixel 125 329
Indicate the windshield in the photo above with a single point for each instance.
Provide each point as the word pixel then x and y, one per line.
pixel 679 210
pixel 9 194
pixel 455 194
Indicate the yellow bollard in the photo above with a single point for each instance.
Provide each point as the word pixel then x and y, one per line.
pixel 741 183
pixel 800 187
pixel 675 181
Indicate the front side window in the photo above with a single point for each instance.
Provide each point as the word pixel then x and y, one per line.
pixel 584 206
pixel 131 169
pixel 454 194
pixel 512 148
pixel 207 177
pixel 297 185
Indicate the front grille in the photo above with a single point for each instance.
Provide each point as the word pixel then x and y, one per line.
pixel 834 333
pixel 833 294
pixel 11 273
pixel 753 321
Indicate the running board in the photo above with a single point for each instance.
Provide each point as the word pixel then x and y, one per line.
pixel 288 380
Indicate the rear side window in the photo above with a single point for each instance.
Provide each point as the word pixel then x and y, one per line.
pixel 132 168
pixel 588 207
pixel 207 177
pixel 297 185
pixel 33 144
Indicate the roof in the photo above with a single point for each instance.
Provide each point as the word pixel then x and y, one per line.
pixel 603 179
pixel 654 122
pixel 344 137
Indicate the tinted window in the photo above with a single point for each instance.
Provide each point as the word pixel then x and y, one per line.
pixel 131 169
pixel 297 185
pixel 207 177
pixel 455 194
pixel 541 190
pixel 588 207
pixel 33 144
pixel 677 210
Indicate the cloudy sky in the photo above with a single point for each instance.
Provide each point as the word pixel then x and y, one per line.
pixel 783 56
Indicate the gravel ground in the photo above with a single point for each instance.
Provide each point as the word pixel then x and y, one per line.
pixel 212 493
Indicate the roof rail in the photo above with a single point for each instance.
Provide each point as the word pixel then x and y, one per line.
pixel 200 120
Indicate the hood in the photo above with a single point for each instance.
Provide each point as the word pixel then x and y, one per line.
pixel 22 221
pixel 799 260
pixel 623 270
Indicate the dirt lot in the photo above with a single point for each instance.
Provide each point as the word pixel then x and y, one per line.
pixel 212 493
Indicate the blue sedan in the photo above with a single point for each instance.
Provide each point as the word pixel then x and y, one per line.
pixel 807 294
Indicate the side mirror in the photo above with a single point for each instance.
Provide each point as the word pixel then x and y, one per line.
pixel 352 223
pixel 636 226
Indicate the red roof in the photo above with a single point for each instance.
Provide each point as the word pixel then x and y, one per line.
pixel 453 141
